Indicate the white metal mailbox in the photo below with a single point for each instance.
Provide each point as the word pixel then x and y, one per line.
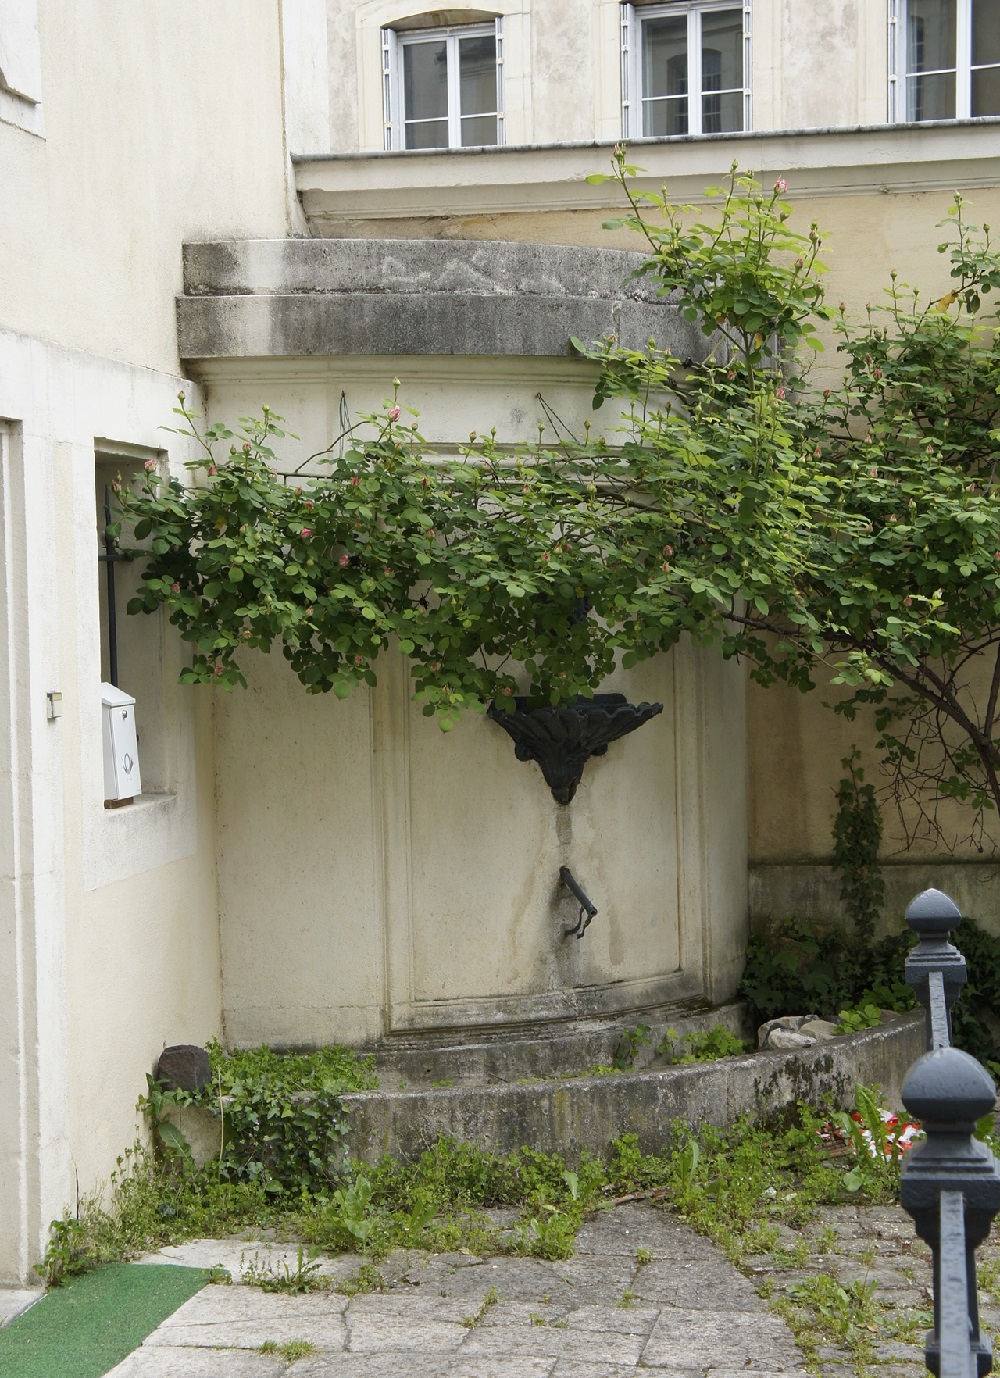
pixel 121 751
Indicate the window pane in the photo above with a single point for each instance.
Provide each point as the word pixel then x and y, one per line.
pixel 477 66
pixel 985 34
pixel 930 98
pixel 664 57
pixel 722 113
pixel 425 82
pixel 479 129
pixel 986 91
pixel 661 118
pixel 930 37
pixel 431 134
pixel 722 50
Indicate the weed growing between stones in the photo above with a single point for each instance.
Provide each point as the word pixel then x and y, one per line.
pixel 304 1277
pixel 294 1349
pixel 491 1298
pixel 368 1278
pixel 820 1308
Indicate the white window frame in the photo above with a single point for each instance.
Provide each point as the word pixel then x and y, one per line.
pixel 632 18
pixel 393 99
pixel 963 60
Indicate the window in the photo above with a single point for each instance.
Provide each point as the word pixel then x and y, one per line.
pixel 131 647
pixel 685 69
pixel 443 88
pixel 945 59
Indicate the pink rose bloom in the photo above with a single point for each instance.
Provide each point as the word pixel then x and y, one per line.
pixel 345 559
pixel 393 413
pixel 150 466
pixel 781 186
pixel 307 531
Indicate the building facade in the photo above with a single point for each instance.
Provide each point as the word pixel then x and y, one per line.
pixel 246 201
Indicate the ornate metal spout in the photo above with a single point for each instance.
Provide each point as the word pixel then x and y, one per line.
pixel 562 740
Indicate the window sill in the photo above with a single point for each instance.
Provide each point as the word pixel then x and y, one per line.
pixel 152 832
pixel 21 113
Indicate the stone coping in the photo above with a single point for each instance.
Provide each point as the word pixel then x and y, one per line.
pixel 406 297
pixel 569 1115
pixel 586 1113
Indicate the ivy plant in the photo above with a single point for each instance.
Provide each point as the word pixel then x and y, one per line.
pixel 857 833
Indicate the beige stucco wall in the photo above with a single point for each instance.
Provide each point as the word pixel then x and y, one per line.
pixel 162 122
pixel 878 198
pixel 109 930
pixel 377 875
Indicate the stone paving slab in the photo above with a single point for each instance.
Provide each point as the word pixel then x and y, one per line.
pixel 236 1256
pixel 634 1226
pixel 192 1363
pixel 699 1339
pixel 236 1317
pixel 631 1320
pixel 575 1346
pixel 712 1284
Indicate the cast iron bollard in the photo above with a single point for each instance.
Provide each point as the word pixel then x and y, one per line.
pixel 951 1182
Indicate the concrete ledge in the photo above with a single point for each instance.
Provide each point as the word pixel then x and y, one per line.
pixel 287 298
pixel 810 890
pixel 568 1116
pixel 470 267
pixel 489 1057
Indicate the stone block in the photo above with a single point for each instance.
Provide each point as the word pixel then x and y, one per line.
pixel 184 1067
pixel 737 1340
pixel 245 1317
pixel 167 1362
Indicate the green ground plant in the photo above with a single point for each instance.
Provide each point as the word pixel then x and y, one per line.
pixel 630 1045
pixel 821 1308
pixel 854 1018
pixel 797 968
pixel 491 1298
pixel 705 1046
pixel 368 1278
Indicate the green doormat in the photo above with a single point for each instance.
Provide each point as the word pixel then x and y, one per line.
pixel 85 1327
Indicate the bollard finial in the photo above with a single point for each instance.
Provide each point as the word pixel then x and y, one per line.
pixel 933 912
pixel 948 1087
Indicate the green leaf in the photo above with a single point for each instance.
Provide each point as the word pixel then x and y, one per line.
pixel 172 1139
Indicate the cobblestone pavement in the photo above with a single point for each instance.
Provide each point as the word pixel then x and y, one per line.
pixel 643 1293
